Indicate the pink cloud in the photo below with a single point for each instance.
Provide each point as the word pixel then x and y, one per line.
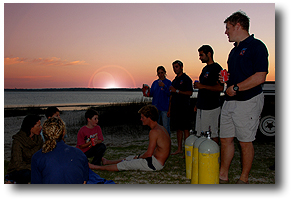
pixel 34 77
pixel 11 61
pixel 57 62
pixel 53 61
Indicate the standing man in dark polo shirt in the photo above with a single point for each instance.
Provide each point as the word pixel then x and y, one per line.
pixel 179 104
pixel 247 68
pixel 208 100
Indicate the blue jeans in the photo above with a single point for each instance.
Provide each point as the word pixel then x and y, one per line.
pixel 165 120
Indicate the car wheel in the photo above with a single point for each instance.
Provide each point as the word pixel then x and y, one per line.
pixel 267 125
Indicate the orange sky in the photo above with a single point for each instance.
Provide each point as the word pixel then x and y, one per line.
pixel 118 45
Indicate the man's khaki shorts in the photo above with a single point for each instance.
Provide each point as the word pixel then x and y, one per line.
pixel 206 119
pixel 240 119
pixel 148 164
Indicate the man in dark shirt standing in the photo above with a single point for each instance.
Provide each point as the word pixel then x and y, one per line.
pixel 208 100
pixel 240 114
pixel 179 106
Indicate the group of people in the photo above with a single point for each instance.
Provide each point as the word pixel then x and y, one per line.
pixel 50 160
pixel 39 154
pixel 243 102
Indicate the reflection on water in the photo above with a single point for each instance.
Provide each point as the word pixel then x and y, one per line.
pixel 69 98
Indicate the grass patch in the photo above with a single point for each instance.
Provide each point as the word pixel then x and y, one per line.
pixel 126 136
pixel 172 173
pixel 174 170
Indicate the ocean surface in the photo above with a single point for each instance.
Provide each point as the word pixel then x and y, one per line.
pixel 69 98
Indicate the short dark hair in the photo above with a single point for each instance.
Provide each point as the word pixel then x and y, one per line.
pixel 162 68
pixel 28 122
pixel 90 113
pixel 150 111
pixel 239 17
pixel 206 49
pixel 178 62
pixel 51 111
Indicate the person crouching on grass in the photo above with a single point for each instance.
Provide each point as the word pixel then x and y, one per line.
pixel 57 162
pixel 158 149
pixel 95 148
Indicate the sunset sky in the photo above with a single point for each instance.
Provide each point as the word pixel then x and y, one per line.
pixel 119 45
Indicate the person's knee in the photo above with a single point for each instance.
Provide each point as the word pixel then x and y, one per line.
pixel 226 141
pixel 99 148
pixel 102 146
pixel 246 145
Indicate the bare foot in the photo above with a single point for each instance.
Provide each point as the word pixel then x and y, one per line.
pixel 104 161
pixel 91 166
pixel 177 152
pixel 94 167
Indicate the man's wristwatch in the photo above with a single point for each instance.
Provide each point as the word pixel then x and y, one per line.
pixel 177 91
pixel 235 88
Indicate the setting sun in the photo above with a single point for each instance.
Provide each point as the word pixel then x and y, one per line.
pixel 112 76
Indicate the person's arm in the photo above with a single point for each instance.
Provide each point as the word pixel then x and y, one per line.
pixel 151 146
pixel 99 137
pixel 97 140
pixel 251 82
pixel 36 176
pixel 188 93
pixel 165 87
pixel 80 140
pixel 17 156
pixel 151 89
pixel 88 144
pixel 85 145
pixel 172 89
pixel 215 88
pixel 169 107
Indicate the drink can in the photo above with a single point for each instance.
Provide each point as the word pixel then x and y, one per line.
pixel 92 141
pixel 146 90
pixel 224 75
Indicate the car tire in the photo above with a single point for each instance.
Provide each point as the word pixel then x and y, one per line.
pixel 267 125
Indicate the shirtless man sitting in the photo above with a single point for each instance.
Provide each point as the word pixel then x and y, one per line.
pixel 155 156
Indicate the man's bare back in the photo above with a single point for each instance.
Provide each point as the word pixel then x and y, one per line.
pixel 163 143
pixel 159 147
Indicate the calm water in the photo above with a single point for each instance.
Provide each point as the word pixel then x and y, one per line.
pixel 45 98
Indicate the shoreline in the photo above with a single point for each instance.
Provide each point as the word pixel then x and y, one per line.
pixel 62 107
pixel 65 106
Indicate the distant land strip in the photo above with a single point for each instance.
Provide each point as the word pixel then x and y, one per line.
pixel 72 89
